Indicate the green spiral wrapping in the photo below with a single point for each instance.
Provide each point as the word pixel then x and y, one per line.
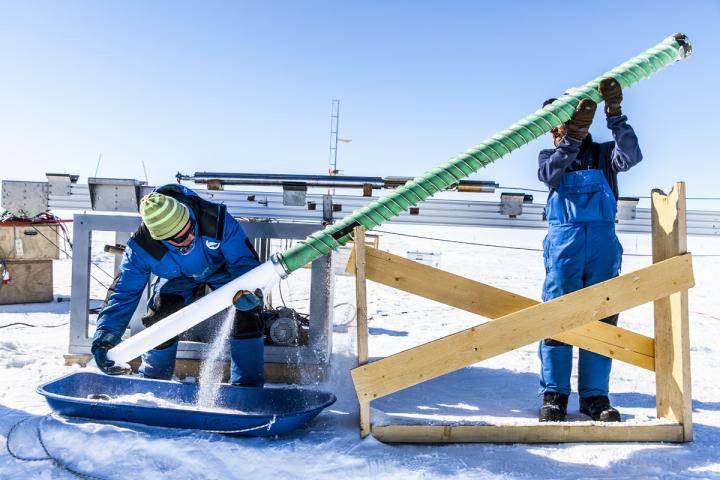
pixel 669 51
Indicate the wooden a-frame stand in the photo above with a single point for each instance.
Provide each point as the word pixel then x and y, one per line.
pixel 518 321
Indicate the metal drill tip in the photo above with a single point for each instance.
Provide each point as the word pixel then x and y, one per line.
pixel 685 45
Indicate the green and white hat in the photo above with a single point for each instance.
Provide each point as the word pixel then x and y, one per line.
pixel 163 216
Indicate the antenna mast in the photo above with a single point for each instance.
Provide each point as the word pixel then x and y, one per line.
pixel 334 124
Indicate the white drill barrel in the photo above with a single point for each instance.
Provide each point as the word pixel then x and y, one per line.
pixel 264 276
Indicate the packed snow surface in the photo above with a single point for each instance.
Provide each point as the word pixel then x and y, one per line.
pixel 500 390
pixel 148 399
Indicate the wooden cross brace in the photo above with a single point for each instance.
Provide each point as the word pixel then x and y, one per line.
pixel 487 301
pixel 572 318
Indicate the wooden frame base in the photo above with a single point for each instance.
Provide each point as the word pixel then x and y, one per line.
pixel 458 350
pixel 550 433
pixel 300 374
pixel 519 321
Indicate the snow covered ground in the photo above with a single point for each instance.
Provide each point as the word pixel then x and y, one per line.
pixel 501 389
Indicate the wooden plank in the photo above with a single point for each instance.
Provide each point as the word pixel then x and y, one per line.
pixel 517 329
pixel 361 317
pixel 672 377
pixel 549 433
pixel 619 337
pixel 617 352
pixel 350 265
pixel 361 295
pixel 491 302
pixel 439 285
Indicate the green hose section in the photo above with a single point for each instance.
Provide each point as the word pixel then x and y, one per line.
pixel 669 51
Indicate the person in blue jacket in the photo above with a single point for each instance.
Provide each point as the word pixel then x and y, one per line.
pixel 187 243
pixel 581 247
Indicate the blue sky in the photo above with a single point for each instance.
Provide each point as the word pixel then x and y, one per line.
pixel 247 86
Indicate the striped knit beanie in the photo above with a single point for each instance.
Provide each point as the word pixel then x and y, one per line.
pixel 163 216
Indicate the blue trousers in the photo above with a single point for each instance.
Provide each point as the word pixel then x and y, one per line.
pixel 577 256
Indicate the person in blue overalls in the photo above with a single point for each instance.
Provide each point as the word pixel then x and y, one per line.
pixel 581 248
pixel 188 243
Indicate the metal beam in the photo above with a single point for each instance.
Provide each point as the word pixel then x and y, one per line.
pixel 468 213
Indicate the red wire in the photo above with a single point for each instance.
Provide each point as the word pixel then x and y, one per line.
pixel 28 222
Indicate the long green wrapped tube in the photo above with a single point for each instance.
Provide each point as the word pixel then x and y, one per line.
pixel 669 51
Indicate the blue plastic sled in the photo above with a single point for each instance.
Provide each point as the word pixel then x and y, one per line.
pixel 261 411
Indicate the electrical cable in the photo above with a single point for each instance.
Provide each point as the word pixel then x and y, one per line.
pixel 346 321
pixel 3 266
pixel 686 198
pixel 70 256
pixel 85 476
pixel 66 252
pixel 511 247
pixel 522 188
pixel 31 325
pixel 66 237
pixel 49 457
pixel 460 241
pixel 280 292
pixel 501 187
pixel 3 270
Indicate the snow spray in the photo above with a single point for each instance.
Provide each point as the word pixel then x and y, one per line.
pixel 212 366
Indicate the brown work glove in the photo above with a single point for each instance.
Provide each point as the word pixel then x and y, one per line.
pixel 612 93
pixel 578 126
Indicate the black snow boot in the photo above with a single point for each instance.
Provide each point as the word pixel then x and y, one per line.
pixel 599 409
pixel 554 407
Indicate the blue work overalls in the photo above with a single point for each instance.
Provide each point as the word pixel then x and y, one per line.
pixel 202 265
pixel 220 253
pixel 580 249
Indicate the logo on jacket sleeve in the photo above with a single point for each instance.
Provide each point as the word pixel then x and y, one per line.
pixel 212 245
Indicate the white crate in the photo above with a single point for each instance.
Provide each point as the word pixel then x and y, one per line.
pixel 342 255
pixel 431 258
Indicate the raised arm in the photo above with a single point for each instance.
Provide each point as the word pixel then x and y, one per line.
pixel 553 163
pixel 626 153
pixel 126 292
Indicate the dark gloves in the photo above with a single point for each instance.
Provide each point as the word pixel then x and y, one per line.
pixel 245 300
pixel 612 93
pixel 578 126
pixel 249 321
pixel 99 349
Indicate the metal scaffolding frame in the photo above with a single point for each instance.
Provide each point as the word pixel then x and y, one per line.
pixel 322 286
pixel 466 213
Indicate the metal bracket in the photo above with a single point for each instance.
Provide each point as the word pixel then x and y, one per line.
pixel 60 184
pixel 115 194
pixel 294 195
pixel 627 208
pixel 511 204
pixel 25 199
pixel 327 209
pixel 215 184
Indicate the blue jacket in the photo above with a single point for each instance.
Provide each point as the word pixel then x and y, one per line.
pixel 219 243
pixel 609 157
